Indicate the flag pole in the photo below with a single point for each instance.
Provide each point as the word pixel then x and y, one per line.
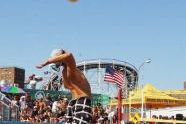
pixel 119 105
pixel 112 76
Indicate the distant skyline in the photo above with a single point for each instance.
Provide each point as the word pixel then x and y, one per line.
pixel 127 30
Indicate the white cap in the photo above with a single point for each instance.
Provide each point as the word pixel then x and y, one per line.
pixel 56 52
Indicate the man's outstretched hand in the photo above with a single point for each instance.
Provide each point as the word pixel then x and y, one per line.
pixel 39 66
pixel 42 65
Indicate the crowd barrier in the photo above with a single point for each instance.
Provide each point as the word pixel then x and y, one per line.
pixel 8 111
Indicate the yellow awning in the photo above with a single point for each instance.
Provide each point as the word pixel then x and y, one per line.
pixel 152 98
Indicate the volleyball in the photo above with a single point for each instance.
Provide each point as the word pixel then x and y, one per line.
pixel 73 1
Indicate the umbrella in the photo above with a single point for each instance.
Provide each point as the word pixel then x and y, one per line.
pixel 12 89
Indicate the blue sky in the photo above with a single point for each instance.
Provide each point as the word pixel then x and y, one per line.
pixel 128 30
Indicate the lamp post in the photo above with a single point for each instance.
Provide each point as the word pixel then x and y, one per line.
pixel 142 101
pixel 147 61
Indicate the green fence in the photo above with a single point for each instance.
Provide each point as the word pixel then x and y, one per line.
pixel 96 98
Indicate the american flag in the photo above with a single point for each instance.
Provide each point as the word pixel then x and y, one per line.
pixel 113 76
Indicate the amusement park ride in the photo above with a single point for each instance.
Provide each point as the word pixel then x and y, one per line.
pixel 94 70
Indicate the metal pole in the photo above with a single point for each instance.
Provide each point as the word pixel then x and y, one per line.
pixel 119 100
pixel 119 105
pixel 2 112
pixel 142 95
pixel 129 106
pixel 142 102
pixel 147 61
pixel 9 113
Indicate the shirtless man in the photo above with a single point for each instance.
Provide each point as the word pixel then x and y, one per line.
pixel 79 108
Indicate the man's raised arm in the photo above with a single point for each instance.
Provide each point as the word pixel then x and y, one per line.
pixel 63 58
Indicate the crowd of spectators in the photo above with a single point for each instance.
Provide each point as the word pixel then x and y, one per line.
pixel 49 110
pixel 52 111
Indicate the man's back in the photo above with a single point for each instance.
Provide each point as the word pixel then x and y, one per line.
pixel 76 82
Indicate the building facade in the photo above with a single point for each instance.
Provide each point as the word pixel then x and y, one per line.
pixel 13 76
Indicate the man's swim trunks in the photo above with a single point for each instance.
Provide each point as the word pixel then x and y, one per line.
pixel 79 111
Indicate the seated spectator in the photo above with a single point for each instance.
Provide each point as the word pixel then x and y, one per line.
pixel 42 103
pixel 48 100
pixel 34 112
pixel 22 102
pixel 26 114
pixel 55 107
pixel 15 100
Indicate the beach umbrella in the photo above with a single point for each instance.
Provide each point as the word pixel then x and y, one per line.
pixel 12 89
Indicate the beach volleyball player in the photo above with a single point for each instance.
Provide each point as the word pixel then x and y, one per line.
pixel 79 108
